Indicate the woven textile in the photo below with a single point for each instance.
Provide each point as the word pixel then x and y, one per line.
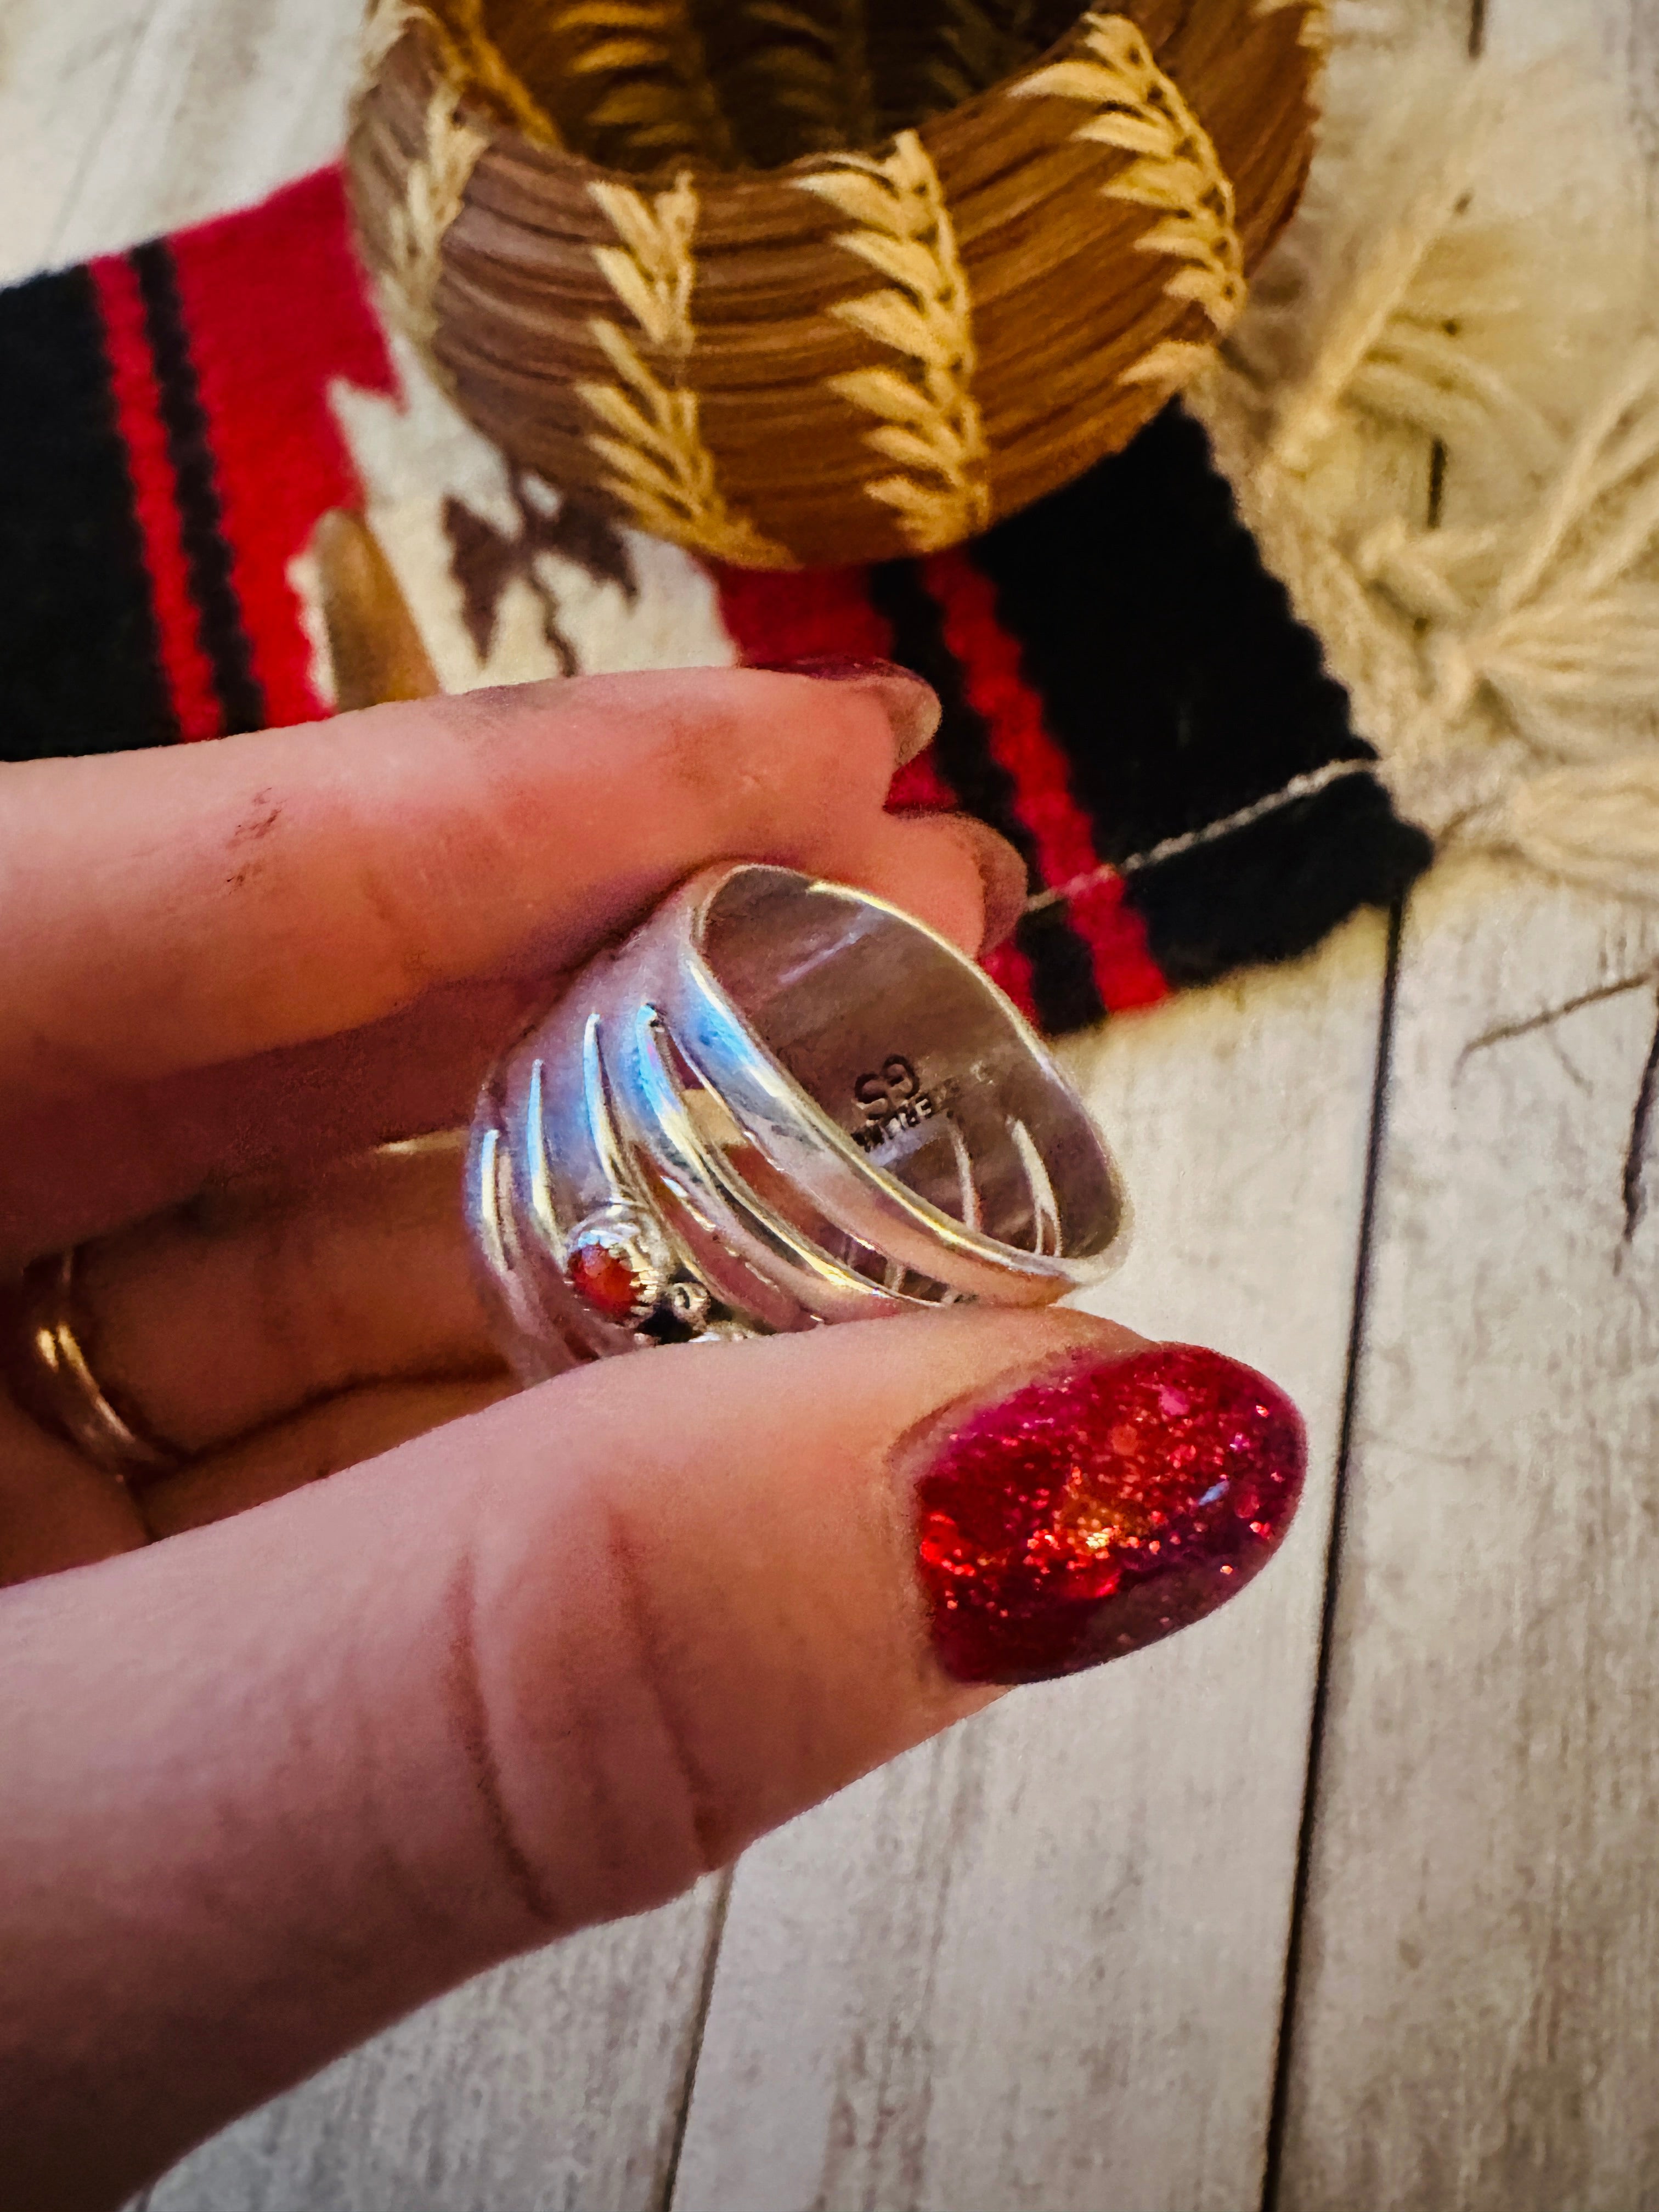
pixel 1126 695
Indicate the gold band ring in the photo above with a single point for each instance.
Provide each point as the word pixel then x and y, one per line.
pixel 53 1380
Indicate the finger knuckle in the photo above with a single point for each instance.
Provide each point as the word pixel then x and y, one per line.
pixel 579 1738
pixel 662 1689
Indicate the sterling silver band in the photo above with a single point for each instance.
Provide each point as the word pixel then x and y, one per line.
pixel 780 1102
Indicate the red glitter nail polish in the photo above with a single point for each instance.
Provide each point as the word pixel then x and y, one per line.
pixel 1101 1507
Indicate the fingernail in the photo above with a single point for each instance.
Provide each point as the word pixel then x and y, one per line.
pixel 1102 1506
pixel 1002 873
pixel 1005 883
pixel 911 703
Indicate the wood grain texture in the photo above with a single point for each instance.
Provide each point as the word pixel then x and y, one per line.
pixel 1039 1963
pixel 62 70
pixel 552 2085
pixel 1476 2020
pixel 1476 2023
pixel 122 117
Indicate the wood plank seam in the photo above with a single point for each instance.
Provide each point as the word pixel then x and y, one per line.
pixel 1278 2108
pixel 664 2197
pixel 1636 1157
pixel 1475 2015
pixel 1279 2112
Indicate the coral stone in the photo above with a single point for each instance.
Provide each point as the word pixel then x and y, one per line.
pixel 604 1277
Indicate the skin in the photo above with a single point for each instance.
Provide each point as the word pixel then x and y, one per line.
pixel 404 1672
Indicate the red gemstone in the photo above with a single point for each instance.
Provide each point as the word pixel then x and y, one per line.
pixel 606 1280
pixel 1101 1507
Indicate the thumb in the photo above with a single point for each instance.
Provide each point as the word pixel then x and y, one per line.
pixel 271 1784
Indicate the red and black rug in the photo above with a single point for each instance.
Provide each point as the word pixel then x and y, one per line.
pixel 1126 695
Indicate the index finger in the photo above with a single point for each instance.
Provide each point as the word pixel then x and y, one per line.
pixel 169 910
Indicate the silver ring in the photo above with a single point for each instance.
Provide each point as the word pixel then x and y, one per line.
pixel 780 1102
pixel 52 1378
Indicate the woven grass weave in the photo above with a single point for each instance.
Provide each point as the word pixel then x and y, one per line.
pixel 818 281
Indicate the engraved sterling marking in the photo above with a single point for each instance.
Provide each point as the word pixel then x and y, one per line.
pixel 892 1102
pixel 896 1084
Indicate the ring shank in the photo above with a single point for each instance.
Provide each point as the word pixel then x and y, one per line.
pixel 52 1379
pixel 780 1102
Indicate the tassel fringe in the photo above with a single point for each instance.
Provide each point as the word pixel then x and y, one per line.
pixel 1440 414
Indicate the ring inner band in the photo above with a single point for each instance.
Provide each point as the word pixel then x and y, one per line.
pixel 908 1049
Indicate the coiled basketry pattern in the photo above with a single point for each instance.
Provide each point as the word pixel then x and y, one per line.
pixel 809 280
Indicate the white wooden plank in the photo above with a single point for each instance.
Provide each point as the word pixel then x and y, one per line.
pixel 223 103
pixel 1476 2023
pixel 1040 1964
pixel 62 71
pixel 119 118
pixel 552 2085
pixel 1610 30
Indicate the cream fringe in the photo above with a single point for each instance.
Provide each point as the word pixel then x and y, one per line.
pixel 1458 322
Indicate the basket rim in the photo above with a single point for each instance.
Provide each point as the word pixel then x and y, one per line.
pixel 510 143
pixel 562 300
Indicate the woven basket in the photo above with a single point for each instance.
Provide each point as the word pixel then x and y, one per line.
pixel 803 281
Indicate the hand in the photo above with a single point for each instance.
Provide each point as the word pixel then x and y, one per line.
pixel 545 1658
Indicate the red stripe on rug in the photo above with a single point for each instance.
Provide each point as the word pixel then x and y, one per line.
pixel 137 401
pixel 795 614
pixel 1010 969
pixel 1126 973
pixel 277 311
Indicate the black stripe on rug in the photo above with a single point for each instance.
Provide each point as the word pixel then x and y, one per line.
pixel 1063 988
pixel 1183 688
pixel 1274 890
pixel 79 670
pixel 207 553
